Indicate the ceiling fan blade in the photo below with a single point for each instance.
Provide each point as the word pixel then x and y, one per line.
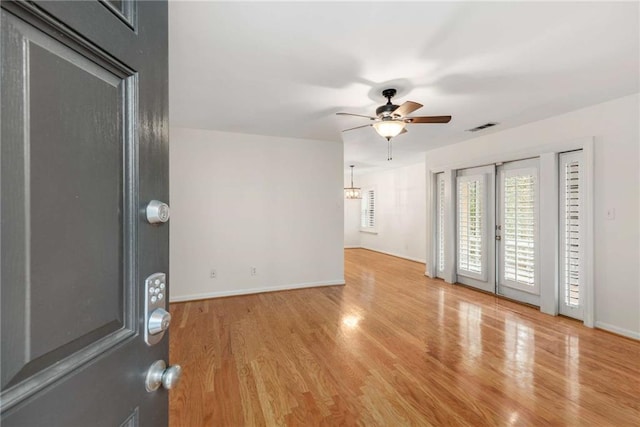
pixel 357 127
pixel 357 115
pixel 428 119
pixel 407 108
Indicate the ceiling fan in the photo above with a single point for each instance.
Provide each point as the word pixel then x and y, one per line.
pixel 391 119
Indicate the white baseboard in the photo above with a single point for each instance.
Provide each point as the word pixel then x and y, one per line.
pixel 617 330
pixel 218 294
pixel 390 253
pixel 395 255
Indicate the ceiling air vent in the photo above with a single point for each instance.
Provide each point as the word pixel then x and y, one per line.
pixel 481 127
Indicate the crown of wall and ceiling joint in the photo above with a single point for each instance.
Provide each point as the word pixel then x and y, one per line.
pixel 481 127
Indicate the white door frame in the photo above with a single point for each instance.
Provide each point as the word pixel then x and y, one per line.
pixel 549 234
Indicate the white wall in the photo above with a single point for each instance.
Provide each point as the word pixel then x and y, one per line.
pixel 614 126
pixel 240 201
pixel 351 222
pixel 400 212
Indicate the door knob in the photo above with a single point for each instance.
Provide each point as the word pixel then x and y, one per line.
pixel 159 375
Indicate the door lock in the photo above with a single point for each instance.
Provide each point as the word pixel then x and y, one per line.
pixel 157 212
pixel 159 321
pixel 156 317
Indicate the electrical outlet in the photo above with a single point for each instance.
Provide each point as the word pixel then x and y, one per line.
pixel 213 274
pixel 253 271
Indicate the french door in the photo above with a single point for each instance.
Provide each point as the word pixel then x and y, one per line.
pixel 497 239
pixel 517 230
pixel 475 222
pixel 497 229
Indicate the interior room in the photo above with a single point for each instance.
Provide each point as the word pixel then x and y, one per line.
pixel 319 213
pixel 258 157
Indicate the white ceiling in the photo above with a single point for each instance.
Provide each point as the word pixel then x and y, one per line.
pixel 285 69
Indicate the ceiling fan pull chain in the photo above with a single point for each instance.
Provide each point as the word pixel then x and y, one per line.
pixel 389 157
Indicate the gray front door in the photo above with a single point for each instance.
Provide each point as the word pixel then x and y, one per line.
pixel 83 149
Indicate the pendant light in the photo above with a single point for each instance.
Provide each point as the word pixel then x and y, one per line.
pixel 352 192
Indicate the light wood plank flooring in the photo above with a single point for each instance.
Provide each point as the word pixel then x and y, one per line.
pixel 394 348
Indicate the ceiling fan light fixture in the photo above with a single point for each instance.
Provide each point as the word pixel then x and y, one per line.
pixel 352 192
pixel 389 128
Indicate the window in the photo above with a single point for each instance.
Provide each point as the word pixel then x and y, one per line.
pixel 440 222
pixel 471 225
pixel 571 275
pixel 368 212
pixel 519 226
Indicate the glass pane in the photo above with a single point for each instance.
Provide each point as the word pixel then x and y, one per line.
pixel 470 225
pixel 519 242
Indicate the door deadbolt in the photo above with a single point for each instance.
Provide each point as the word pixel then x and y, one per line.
pixel 157 212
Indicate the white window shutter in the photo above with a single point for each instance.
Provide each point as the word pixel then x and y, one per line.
pixel 519 227
pixel 371 217
pixel 471 220
pixel 441 222
pixel 368 212
pixel 571 233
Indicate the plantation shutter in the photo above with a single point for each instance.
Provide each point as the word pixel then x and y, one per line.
pixel 519 226
pixel 471 220
pixel 440 230
pixel 368 213
pixel 571 233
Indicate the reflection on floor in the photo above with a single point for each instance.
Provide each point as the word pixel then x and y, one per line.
pixel 394 348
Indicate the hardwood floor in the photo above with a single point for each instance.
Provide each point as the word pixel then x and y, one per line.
pixel 394 348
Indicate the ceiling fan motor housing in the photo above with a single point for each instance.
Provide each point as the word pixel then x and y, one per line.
pixel 388 108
